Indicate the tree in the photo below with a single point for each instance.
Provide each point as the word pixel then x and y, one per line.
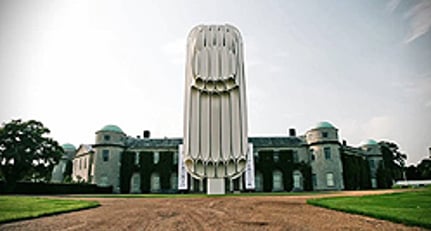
pixel 424 169
pixel 421 172
pixel 26 153
pixel 393 164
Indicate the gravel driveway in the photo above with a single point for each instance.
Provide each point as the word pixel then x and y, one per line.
pixel 219 213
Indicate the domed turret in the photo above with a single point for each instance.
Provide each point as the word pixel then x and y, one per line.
pixel 368 142
pixel 323 124
pixel 108 149
pixel 111 128
pixel 325 159
pixel 69 150
pixel 68 147
pixel 322 132
pixel 370 146
pixel 110 134
pixel 373 154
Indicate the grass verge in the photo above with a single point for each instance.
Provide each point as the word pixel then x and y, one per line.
pixel 410 208
pixel 14 208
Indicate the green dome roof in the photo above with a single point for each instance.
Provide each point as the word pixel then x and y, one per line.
pixel 368 142
pixel 324 124
pixel 68 147
pixel 111 128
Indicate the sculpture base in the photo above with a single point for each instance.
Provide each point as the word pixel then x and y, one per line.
pixel 215 186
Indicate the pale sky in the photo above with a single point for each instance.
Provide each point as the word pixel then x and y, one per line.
pixel 364 66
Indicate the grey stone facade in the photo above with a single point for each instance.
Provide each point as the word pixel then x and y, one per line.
pixel 319 148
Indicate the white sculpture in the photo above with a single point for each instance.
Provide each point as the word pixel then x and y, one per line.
pixel 215 122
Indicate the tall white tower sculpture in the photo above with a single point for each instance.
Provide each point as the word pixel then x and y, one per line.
pixel 215 121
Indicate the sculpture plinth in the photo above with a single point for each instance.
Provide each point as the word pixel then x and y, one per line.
pixel 215 120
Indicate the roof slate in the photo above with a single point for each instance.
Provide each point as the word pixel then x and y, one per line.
pixel 134 143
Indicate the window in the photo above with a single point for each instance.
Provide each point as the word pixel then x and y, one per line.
pixel 297 180
pixel 104 181
pixel 312 154
pixel 175 158
pixel 277 181
pixel 135 184
pixel 295 156
pixel 256 156
pixel 155 182
pixel 259 181
pixel 327 151
pixel 324 134
pixel 105 155
pixel 85 162
pixel 329 179
pixel 80 163
pixel 371 163
pixel 276 156
pixel 314 179
pixel 136 158
pixel 156 157
pixel 107 137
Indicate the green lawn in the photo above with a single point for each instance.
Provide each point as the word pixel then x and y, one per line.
pixel 410 208
pixel 13 208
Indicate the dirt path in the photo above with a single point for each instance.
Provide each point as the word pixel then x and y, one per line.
pixel 224 213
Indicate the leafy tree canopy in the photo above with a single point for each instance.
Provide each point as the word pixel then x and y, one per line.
pixel 26 152
pixel 391 169
pixel 392 154
pixel 420 172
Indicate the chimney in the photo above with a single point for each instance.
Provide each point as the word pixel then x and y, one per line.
pixel 138 137
pixel 292 132
pixel 147 134
pixel 344 143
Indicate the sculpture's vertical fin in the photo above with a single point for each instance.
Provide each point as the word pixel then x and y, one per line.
pixel 236 123
pixel 215 127
pixel 225 126
pixel 194 123
pixel 205 129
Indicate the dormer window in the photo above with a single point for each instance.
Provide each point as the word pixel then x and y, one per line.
pixel 106 137
pixel 156 157
pixel 325 134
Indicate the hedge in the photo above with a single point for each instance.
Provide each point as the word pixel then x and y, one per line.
pixel 54 188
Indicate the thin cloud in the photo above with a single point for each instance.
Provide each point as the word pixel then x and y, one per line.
pixel 419 17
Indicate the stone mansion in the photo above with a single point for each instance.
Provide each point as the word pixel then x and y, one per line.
pixel 316 160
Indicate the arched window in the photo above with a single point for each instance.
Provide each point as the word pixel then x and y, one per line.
pixel 135 183
pixel 104 180
pixel 297 180
pixel 330 179
pixel 277 181
pixel 155 182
